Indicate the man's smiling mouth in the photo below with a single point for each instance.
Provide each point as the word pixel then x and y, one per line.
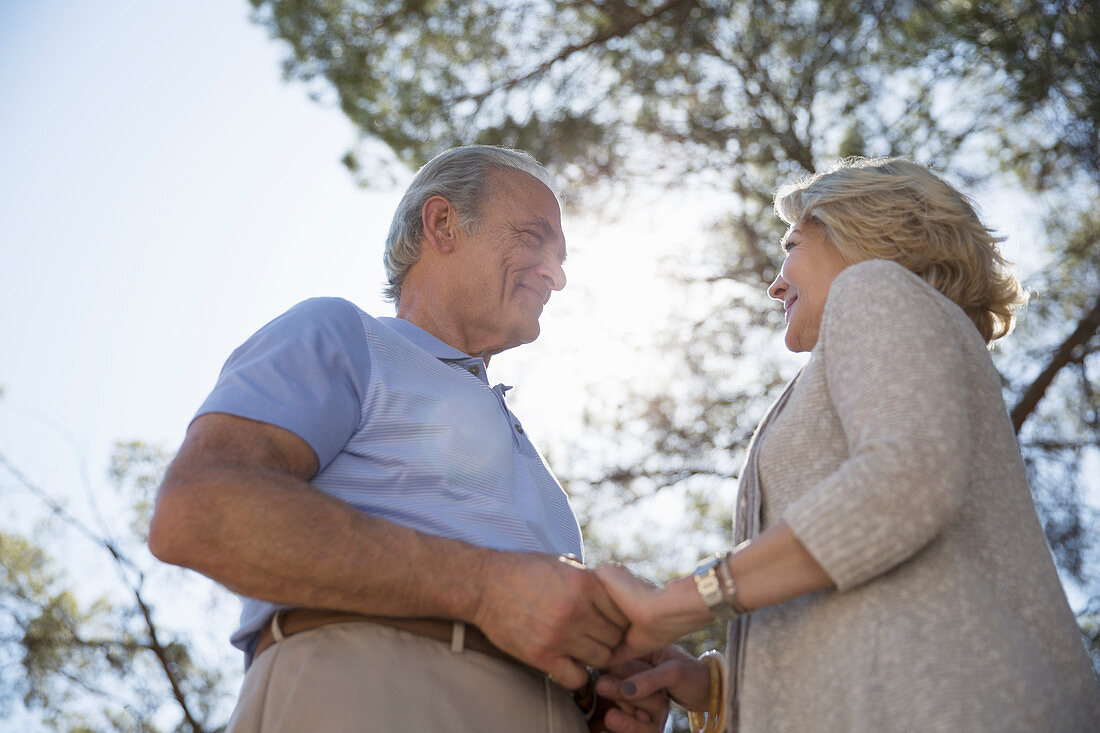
pixel 542 295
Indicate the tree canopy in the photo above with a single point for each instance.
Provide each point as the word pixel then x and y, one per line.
pixel 737 98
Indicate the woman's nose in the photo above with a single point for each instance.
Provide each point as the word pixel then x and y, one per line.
pixel 778 287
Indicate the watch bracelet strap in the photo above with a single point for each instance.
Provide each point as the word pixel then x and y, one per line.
pixel 709 585
pixel 729 588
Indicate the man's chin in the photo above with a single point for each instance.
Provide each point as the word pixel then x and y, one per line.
pixel 528 333
pixel 531 333
pixel 519 337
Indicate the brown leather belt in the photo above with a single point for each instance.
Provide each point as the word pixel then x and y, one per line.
pixel 298 620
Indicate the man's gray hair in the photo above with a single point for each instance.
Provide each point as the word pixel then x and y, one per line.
pixel 458 175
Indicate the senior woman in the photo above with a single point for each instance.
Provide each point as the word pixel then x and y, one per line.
pixel 889 570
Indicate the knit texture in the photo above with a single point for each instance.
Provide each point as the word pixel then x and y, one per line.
pixel 895 464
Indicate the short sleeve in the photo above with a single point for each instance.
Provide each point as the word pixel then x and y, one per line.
pixel 306 371
pixel 894 360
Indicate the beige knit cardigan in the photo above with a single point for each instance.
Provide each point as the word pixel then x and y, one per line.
pixel 893 460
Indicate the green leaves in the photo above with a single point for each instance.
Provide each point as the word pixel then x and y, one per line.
pixel 43 616
pixel 104 664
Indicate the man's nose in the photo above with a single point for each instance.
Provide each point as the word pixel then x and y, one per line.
pixel 553 273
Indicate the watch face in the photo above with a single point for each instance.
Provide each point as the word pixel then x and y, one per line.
pixel 709 564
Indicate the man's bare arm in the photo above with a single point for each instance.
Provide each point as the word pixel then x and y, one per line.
pixel 236 506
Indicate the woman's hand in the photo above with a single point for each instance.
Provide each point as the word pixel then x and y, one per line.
pixel 642 713
pixel 669 671
pixel 658 616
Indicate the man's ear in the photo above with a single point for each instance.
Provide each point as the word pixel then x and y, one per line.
pixel 440 222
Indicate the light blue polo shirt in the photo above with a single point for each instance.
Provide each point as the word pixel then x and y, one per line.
pixel 405 428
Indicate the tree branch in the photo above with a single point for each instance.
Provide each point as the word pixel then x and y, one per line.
pixel 166 664
pixel 1087 327
pixel 613 32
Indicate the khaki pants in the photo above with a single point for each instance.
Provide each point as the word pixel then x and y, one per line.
pixel 355 677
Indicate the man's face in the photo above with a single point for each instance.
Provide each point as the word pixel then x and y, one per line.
pixel 511 263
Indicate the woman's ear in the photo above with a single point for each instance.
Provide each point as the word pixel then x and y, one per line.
pixel 440 222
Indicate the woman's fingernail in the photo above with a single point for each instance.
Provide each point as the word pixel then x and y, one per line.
pixel 629 688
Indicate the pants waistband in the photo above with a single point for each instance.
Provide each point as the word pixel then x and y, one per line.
pixel 455 633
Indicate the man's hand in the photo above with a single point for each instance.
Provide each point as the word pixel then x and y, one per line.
pixel 549 612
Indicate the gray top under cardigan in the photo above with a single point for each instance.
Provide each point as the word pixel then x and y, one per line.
pixel 893 460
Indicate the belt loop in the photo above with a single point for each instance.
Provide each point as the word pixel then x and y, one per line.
pixel 549 705
pixel 276 629
pixel 458 637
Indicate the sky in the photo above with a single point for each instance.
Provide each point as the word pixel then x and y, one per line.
pixel 164 193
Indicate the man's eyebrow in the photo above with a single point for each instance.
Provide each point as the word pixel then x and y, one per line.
pixel 542 224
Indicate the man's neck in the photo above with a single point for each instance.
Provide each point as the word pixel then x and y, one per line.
pixel 426 315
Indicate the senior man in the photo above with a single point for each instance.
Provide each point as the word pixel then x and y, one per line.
pixel 403 555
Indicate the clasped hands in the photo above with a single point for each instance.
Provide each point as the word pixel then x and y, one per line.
pixel 559 616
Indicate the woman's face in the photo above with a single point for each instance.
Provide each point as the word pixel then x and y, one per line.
pixel 811 265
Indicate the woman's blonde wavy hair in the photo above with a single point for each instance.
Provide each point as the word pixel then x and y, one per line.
pixel 895 209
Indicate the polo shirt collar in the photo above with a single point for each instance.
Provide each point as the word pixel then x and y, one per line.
pixel 421 338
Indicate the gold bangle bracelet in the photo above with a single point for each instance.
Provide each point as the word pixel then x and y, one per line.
pixel 713 720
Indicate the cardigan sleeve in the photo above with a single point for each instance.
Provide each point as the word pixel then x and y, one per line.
pixel 895 374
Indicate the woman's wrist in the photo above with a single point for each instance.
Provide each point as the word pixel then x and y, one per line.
pixel 681 607
pixel 713 718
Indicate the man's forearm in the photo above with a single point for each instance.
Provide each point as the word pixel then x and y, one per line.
pixel 266 534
